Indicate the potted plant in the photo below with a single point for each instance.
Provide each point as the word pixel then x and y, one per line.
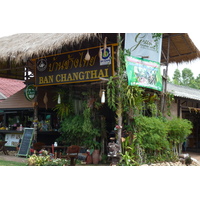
pixel 96 153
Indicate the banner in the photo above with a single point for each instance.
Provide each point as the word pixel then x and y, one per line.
pixel 146 45
pixel 143 72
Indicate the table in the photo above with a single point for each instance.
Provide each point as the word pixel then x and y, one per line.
pixel 3 148
pixel 52 148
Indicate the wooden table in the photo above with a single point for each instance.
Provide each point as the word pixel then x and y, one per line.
pixel 3 148
pixel 52 148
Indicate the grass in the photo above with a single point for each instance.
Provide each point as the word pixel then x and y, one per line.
pixel 11 163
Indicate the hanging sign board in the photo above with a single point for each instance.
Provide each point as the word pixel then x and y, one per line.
pixel 71 67
pixel 146 45
pixel 143 73
pixel 143 64
pixel 26 142
pixel 30 92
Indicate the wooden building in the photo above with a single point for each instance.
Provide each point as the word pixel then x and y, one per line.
pixel 23 56
pixel 186 105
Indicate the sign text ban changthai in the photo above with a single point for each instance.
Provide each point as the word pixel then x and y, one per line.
pixel 72 67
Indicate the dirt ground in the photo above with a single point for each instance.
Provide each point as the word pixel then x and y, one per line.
pixel 13 158
pixel 194 155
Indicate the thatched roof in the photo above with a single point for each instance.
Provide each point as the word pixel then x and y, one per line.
pixel 20 47
pixel 181 48
pixel 26 45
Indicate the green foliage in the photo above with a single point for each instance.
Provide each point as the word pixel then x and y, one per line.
pixel 57 162
pixel 11 163
pixel 179 129
pixel 177 77
pixel 104 158
pixel 112 93
pixel 156 36
pixel 129 154
pixel 128 159
pixel 186 78
pixel 151 133
pixel 130 96
pixel 35 160
pixel 153 139
pixel 71 130
pixel 65 108
pixel 188 161
pixel 80 130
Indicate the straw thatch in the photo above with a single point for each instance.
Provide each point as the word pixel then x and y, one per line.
pixel 20 47
pixel 181 48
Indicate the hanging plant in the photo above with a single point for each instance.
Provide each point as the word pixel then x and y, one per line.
pixel 111 93
pixel 64 107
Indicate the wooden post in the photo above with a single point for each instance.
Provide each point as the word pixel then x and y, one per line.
pixel 163 100
pixel 119 107
pixel 35 115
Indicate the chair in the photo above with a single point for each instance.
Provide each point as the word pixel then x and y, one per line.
pixel 38 146
pixel 72 154
pixel 3 148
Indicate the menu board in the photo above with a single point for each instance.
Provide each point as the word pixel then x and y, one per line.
pixel 26 142
pixel 12 139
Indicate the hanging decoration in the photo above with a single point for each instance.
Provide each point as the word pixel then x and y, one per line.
pixel 100 53
pixel 87 56
pixel 103 98
pixel 59 99
pixel 105 46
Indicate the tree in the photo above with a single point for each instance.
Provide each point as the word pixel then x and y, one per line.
pixel 197 82
pixel 187 77
pixel 177 77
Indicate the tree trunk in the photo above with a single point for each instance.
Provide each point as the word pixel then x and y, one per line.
pixel 119 108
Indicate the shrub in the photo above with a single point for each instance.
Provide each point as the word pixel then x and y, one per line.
pixel 35 160
pixel 46 160
pixel 179 129
pixel 151 133
pixel 80 130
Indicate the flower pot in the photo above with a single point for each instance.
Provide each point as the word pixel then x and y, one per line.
pixel 95 156
pixel 88 158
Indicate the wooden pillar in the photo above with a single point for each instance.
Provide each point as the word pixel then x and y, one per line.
pixel 119 105
pixel 179 108
pixel 35 114
pixel 163 100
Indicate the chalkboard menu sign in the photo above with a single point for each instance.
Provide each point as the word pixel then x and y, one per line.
pixel 26 142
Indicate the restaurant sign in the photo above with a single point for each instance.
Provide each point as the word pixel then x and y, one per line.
pixel 30 92
pixel 71 67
